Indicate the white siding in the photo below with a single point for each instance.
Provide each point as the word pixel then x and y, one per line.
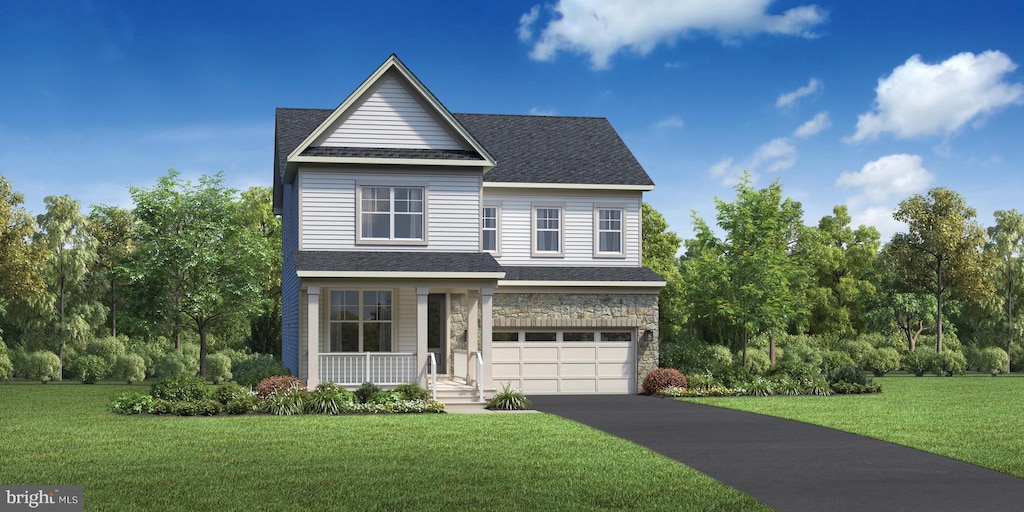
pixel 390 117
pixel 515 234
pixel 328 210
pixel 406 311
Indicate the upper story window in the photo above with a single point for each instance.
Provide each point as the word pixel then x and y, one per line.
pixel 490 229
pixel 391 213
pixel 608 232
pixel 547 237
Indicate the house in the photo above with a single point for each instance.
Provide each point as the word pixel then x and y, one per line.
pixel 473 249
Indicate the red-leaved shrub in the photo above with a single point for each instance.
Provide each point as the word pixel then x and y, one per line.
pixel 661 378
pixel 271 385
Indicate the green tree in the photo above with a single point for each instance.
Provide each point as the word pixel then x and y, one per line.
pixel 198 254
pixel 941 253
pixel 114 230
pixel 68 309
pixel 19 258
pixel 1006 250
pixel 256 214
pixel 659 254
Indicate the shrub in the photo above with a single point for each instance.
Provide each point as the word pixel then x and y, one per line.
pixel 882 360
pixel 132 403
pixel 365 391
pixel 760 386
pixel 719 356
pixel 208 407
pixel 832 359
pixel 176 363
pixel 849 374
pixel 795 370
pixel 849 388
pixel 920 361
pixel 860 351
pixel 20 362
pixel 800 351
pixel 701 381
pixel 185 408
pixel 179 388
pixel 817 386
pixel 758 361
pixel 6 367
pixel 91 368
pixel 43 366
pixel 242 404
pixel 227 392
pixel 108 348
pixel 1017 358
pixel 784 385
pixel 949 363
pixel 733 375
pixel 272 385
pixel 253 369
pixel 661 378
pixel 412 391
pixel 385 396
pixel 511 399
pixel 289 402
pixel 161 406
pixel 150 352
pixel 993 360
pixel 131 368
pixel 329 398
pixel 218 368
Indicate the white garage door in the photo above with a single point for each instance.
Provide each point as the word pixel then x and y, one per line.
pixel 545 362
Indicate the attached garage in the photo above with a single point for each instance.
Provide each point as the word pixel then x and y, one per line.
pixel 545 361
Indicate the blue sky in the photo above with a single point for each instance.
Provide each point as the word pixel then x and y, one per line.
pixel 856 103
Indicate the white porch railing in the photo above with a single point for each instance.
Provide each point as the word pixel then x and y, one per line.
pixel 433 375
pixel 478 377
pixel 461 358
pixel 354 368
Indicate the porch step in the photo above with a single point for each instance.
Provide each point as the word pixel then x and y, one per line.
pixel 453 392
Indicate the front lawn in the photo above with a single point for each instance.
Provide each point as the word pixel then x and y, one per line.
pixel 61 433
pixel 977 419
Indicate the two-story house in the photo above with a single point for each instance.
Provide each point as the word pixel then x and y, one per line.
pixel 489 249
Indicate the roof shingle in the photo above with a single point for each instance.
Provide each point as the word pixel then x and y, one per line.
pixel 380 261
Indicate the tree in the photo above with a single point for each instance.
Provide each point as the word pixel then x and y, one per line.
pixel 942 251
pixel 19 258
pixel 1006 250
pixel 256 213
pixel 114 230
pixel 68 309
pixel 197 253
pixel 659 254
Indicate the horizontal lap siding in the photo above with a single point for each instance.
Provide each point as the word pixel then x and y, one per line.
pixel 406 332
pixel 328 213
pixel 290 281
pixel 578 210
pixel 391 117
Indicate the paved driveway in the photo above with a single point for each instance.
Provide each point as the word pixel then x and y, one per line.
pixel 794 466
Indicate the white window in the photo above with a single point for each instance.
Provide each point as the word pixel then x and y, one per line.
pixel 490 229
pixel 391 213
pixel 547 238
pixel 360 321
pixel 609 231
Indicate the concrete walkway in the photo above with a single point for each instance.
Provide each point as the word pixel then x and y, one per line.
pixel 794 466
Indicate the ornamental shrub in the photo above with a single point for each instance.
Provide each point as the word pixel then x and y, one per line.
pixel 701 381
pixel 832 359
pixel 289 401
pixel 272 385
pixel 1017 358
pixel 849 374
pixel 795 370
pixel 758 361
pixel 43 366
pixel 90 368
pixel 208 407
pixel 176 363
pixel 218 368
pixel 365 391
pixel 920 361
pixel 108 348
pixel 151 352
pixel 19 360
pixel 798 350
pixel 132 403
pixel 131 368
pixel 161 406
pixel 719 356
pixel 329 398
pixel 412 391
pixel 6 367
pixel 993 360
pixel 860 351
pixel 882 360
pixel 185 408
pixel 386 396
pixel 512 399
pixel 253 369
pixel 180 388
pixel 242 404
pixel 227 392
pixel 949 363
pixel 661 378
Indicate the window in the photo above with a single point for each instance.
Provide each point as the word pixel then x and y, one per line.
pixel 490 229
pixel 548 230
pixel 609 231
pixel 360 321
pixel 391 213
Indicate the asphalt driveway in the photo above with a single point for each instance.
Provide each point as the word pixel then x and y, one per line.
pixel 793 466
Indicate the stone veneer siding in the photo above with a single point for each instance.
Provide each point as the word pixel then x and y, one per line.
pixel 586 310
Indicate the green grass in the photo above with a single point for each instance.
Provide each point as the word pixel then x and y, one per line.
pixel 977 419
pixel 62 434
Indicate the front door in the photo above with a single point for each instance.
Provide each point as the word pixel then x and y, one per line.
pixel 437 330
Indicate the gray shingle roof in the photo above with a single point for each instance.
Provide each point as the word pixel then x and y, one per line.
pixel 429 154
pixel 528 149
pixel 380 261
pixel 592 274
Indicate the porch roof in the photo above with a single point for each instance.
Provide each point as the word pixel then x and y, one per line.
pixel 469 265
pixel 581 276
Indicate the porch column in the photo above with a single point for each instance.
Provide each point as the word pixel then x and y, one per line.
pixel 473 332
pixel 421 334
pixel 486 296
pixel 312 337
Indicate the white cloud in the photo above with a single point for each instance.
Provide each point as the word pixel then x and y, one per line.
pixel 897 176
pixel 670 122
pixel 814 126
pixel 789 99
pixel 880 217
pixel 925 99
pixel 601 28
pixel 537 111
pixel 772 156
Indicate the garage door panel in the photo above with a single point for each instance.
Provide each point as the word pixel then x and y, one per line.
pixel 540 386
pixel 540 369
pixel 615 353
pixel 505 370
pixel 579 386
pixel 613 369
pixel 540 353
pixel 578 370
pixel 614 386
pixel 505 353
pixel 552 367
pixel 572 353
